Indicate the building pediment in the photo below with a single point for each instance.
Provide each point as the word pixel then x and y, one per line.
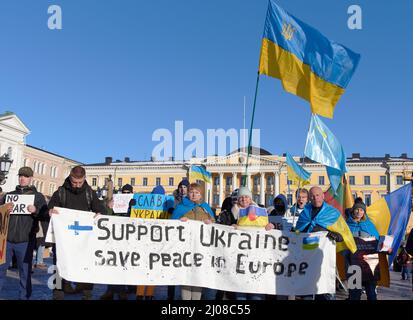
pixel 12 122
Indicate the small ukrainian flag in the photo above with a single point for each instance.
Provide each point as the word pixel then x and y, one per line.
pixel 311 243
pixel 199 173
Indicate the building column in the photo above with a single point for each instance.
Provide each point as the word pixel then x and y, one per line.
pixel 262 188
pixel 249 181
pixel 221 188
pixel 234 181
pixel 276 184
pixel 208 191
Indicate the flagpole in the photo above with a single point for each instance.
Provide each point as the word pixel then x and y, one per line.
pixel 302 167
pixel 244 180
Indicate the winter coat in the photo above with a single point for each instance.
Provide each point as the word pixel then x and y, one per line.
pixel 23 227
pixel 83 199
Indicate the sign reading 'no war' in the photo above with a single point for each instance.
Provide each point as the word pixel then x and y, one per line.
pixel 20 202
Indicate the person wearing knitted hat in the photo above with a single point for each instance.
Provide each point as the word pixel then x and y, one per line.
pixel 362 227
pixel 193 208
pixel 247 212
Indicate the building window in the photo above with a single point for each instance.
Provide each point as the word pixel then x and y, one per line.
pixel 256 198
pixel 399 180
pixel 289 182
pixel 132 181
pixel 216 181
pixel 321 180
pixel 269 200
pixel 94 182
pixel 290 199
pixel 354 195
pixel 119 182
pixel 367 180
pixel 367 199
pixel 229 181
pixel 145 182
pixel 158 181
pixel 171 181
pixel 216 200
pixel 383 180
pixel 270 180
pixel 352 180
pixel 256 180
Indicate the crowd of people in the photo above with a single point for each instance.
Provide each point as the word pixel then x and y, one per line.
pixel 26 233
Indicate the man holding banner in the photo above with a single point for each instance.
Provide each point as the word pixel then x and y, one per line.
pixel 29 207
pixel 78 195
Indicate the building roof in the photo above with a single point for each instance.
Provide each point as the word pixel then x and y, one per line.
pixel 255 151
pixel 55 154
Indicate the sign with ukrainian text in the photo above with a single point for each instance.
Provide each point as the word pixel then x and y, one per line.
pixel 21 202
pixel 118 250
pixel 151 206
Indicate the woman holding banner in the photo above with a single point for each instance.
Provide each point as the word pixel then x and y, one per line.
pixel 193 208
pixel 364 233
pixel 249 214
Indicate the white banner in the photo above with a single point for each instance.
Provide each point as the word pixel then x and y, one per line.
pixel 121 250
pixel 20 202
pixel 121 202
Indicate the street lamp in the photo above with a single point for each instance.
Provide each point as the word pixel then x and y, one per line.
pixel 5 163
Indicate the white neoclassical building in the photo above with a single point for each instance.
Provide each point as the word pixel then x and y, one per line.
pixel 13 134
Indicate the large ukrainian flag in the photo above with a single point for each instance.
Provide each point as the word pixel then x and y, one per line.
pixel 307 63
pixel 390 215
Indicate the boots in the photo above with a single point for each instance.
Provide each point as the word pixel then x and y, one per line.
pixel 58 295
pixel 87 295
pixel 108 295
pixel 123 296
pixel 67 288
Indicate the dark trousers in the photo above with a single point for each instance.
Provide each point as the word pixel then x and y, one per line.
pixel 355 294
pixel 24 256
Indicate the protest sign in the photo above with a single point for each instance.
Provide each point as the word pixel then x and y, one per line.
pixel 151 206
pixel 367 258
pixel 116 250
pixel 121 202
pixel 20 202
pixel 385 243
pixel 4 225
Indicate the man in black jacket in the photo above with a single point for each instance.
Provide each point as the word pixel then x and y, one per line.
pixel 75 193
pixel 21 236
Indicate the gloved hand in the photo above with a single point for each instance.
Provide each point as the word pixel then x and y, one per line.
pixel 334 236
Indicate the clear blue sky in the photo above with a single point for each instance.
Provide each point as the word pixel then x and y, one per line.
pixel 121 69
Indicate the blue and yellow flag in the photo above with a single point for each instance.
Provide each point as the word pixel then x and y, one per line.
pixel 391 214
pixel 307 63
pixel 199 173
pixel 296 173
pixel 253 216
pixel 323 147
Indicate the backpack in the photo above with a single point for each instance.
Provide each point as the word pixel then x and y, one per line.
pixel 62 196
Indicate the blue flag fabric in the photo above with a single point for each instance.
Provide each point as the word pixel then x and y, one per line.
pixel 187 205
pixel 323 147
